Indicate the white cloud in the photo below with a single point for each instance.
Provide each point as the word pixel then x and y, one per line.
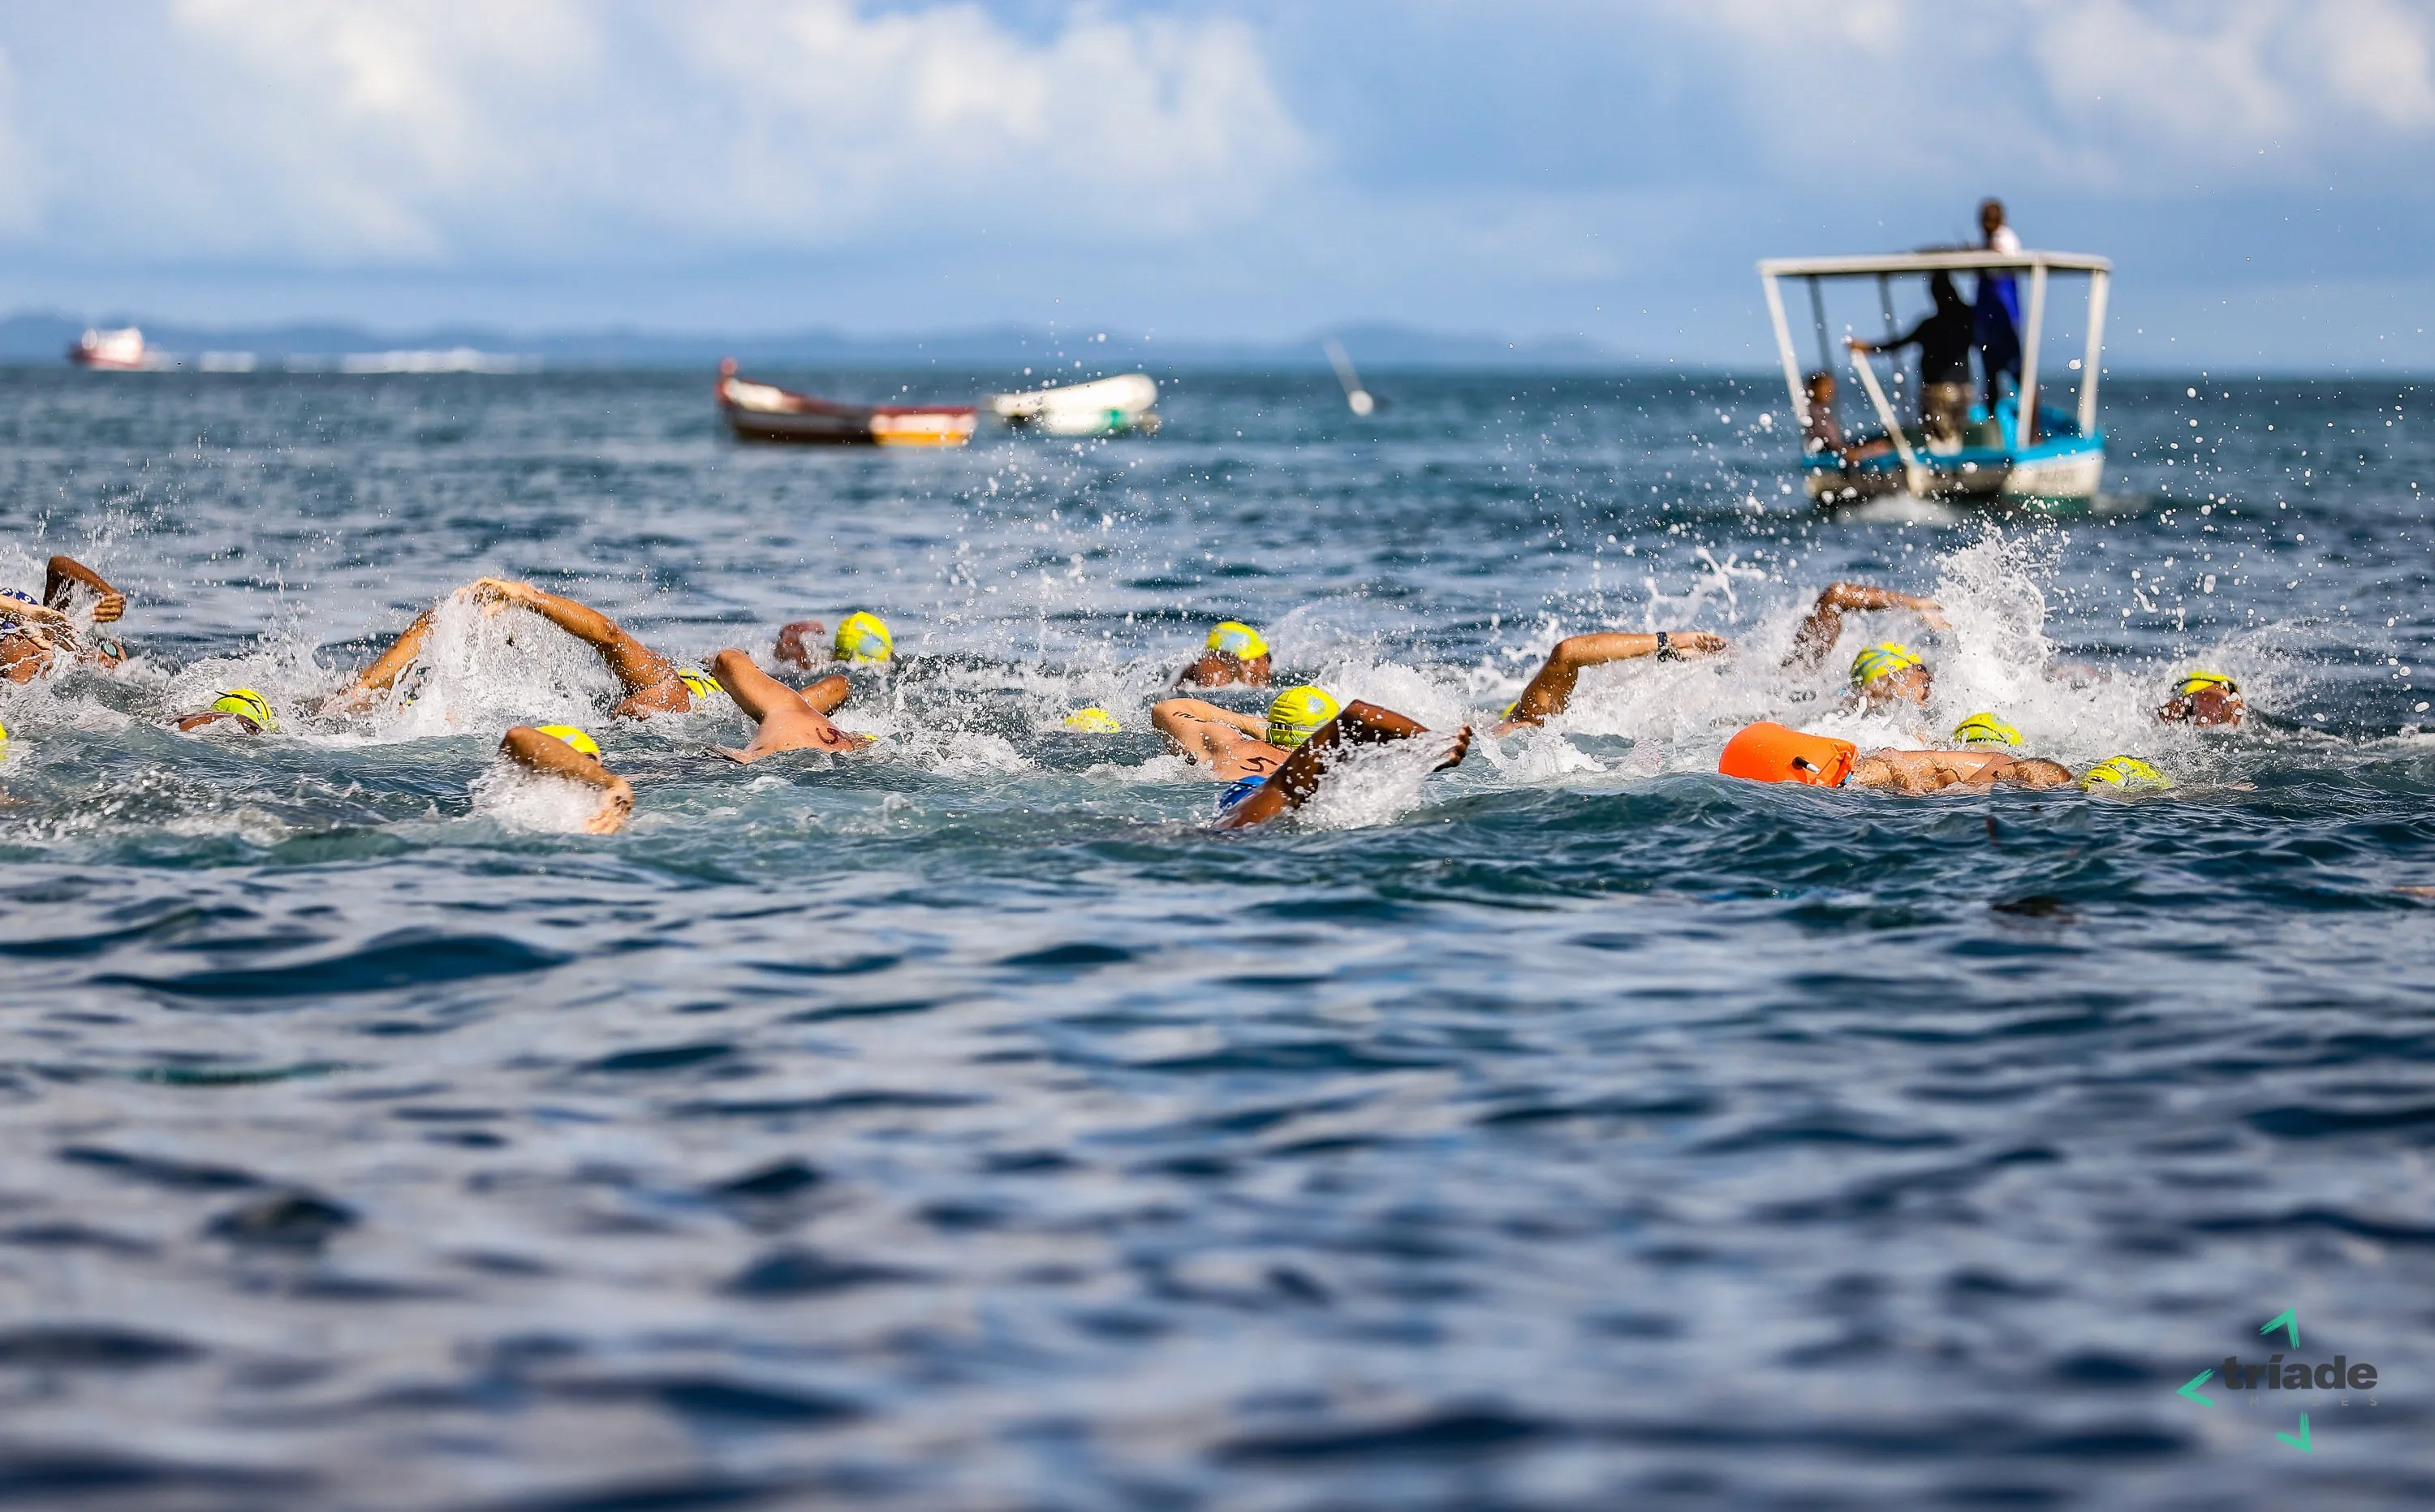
pixel 2116 92
pixel 423 131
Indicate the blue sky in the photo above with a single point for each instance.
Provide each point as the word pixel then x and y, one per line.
pixel 2259 170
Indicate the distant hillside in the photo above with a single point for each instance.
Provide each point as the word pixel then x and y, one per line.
pixel 44 337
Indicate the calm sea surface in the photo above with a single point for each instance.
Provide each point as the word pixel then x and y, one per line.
pixel 964 1128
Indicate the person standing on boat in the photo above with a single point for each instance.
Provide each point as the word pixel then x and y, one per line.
pixel 1997 313
pixel 1945 337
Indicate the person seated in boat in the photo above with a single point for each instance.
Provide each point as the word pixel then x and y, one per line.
pixel 2207 699
pixel 1995 314
pixel 1823 432
pixel 652 683
pixel 567 753
pixel 1549 691
pixel 1235 656
pixel 789 720
pixel 236 711
pixel 35 637
pixel 1945 337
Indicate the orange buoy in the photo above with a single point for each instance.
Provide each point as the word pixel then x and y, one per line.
pixel 1770 753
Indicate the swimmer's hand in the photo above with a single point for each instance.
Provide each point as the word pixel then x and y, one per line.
pixel 1932 616
pixel 495 593
pixel 1458 747
pixel 1697 642
pixel 107 607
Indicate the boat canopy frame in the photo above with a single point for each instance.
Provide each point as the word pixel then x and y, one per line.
pixel 1885 267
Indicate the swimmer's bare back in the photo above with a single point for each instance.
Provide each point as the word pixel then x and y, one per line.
pixel 1933 771
pixel 1302 774
pixel 789 720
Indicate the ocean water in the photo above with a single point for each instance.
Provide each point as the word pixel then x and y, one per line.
pixel 964 1127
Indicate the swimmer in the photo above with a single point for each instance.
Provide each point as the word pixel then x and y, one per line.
pixel 1933 771
pixel 796 643
pixel 1771 754
pixel 1889 673
pixel 1550 689
pixel 789 720
pixel 1297 778
pixel 2206 700
pixel 242 711
pixel 33 635
pixel 651 681
pixel 1234 656
pixel 564 751
pixel 1242 747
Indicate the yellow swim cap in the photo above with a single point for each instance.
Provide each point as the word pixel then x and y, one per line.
pixel 248 704
pixel 2195 681
pixel 862 636
pixel 574 737
pixel 1238 641
pixel 1983 730
pixel 1295 715
pixel 1882 659
pixel 700 683
pixel 2124 774
pixel 1093 721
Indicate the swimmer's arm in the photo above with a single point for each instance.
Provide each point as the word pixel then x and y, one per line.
pixel 1824 626
pixel 39 617
pixel 211 717
pixel 1551 688
pixel 1295 781
pixel 551 757
pixel 66 574
pixel 829 693
pixel 650 679
pixel 1184 722
pixel 386 668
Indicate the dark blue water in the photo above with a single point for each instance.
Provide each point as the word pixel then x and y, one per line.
pixel 964 1128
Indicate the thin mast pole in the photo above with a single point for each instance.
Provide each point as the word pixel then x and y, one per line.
pixel 1784 349
pixel 1818 313
pixel 2025 425
pixel 2096 282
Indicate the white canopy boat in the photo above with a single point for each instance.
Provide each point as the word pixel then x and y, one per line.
pixel 1105 407
pixel 2025 451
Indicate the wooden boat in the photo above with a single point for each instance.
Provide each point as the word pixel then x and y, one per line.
pixel 110 351
pixel 1105 407
pixel 764 412
pixel 2058 458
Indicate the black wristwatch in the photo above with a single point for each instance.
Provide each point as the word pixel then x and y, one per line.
pixel 1666 651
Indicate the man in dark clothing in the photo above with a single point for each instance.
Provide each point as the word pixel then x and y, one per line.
pixel 1945 340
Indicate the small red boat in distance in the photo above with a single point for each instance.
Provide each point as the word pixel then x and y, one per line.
pixel 764 412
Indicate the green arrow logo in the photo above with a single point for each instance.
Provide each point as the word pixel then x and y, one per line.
pixel 2299 1443
pixel 2191 1388
pixel 2289 1318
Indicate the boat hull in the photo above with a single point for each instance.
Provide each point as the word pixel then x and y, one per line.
pixel 2062 467
pixel 763 412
